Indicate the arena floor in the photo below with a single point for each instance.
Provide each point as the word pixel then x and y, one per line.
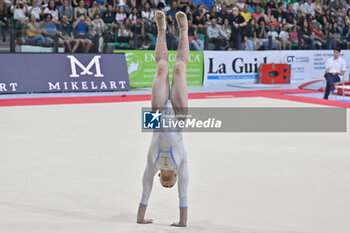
pixel 78 168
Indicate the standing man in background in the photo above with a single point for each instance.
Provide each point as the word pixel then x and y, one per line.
pixel 238 24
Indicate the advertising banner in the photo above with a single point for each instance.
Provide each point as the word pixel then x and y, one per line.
pixel 310 65
pixel 28 73
pixel 235 66
pixel 242 66
pixel 142 67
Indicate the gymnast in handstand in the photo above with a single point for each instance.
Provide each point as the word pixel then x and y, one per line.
pixel 167 153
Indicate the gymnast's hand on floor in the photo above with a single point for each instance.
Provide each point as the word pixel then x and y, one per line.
pixel 141 215
pixel 145 221
pixel 178 224
pixel 183 218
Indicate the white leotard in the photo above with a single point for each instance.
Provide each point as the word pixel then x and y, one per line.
pixel 166 152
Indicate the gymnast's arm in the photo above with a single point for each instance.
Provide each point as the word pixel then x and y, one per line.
pixel 147 183
pixel 183 180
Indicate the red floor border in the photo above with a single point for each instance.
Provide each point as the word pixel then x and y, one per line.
pixel 274 94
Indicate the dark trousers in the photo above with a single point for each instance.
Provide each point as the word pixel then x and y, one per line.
pixel 310 42
pixel 235 42
pixel 331 79
pixel 3 29
pixel 219 42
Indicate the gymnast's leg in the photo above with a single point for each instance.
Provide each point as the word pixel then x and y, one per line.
pixel 160 91
pixel 178 93
pixel 160 87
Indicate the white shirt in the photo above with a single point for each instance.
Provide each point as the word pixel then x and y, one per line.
pixel 296 7
pixel 274 34
pixel 240 5
pixel 125 32
pixel 308 9
pixel 36 11
pixel 120 17
pixel 215 32
pixel 147 14
pixel 336 66
pixel 167 152
pixel 284 35
pixel 54 13
pixel 156 2
pixel 19 13
pixel 39 3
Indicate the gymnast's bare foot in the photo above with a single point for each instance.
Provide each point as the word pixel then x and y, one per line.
pixel 160 20
pixel 182 21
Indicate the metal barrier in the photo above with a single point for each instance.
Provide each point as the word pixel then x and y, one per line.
pixel 15 39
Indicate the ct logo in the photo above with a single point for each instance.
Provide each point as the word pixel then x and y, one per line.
pixel 288 59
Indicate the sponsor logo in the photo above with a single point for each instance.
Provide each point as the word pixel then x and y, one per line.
pixel 239 68
pixel 288 59
pixel 74 62
pixel 62 73
pixel 85 85
pixel 143 64
pixel 98 84
pixel 134 62
pixel 4 87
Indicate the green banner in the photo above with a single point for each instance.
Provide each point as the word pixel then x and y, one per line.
pixel 142 67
